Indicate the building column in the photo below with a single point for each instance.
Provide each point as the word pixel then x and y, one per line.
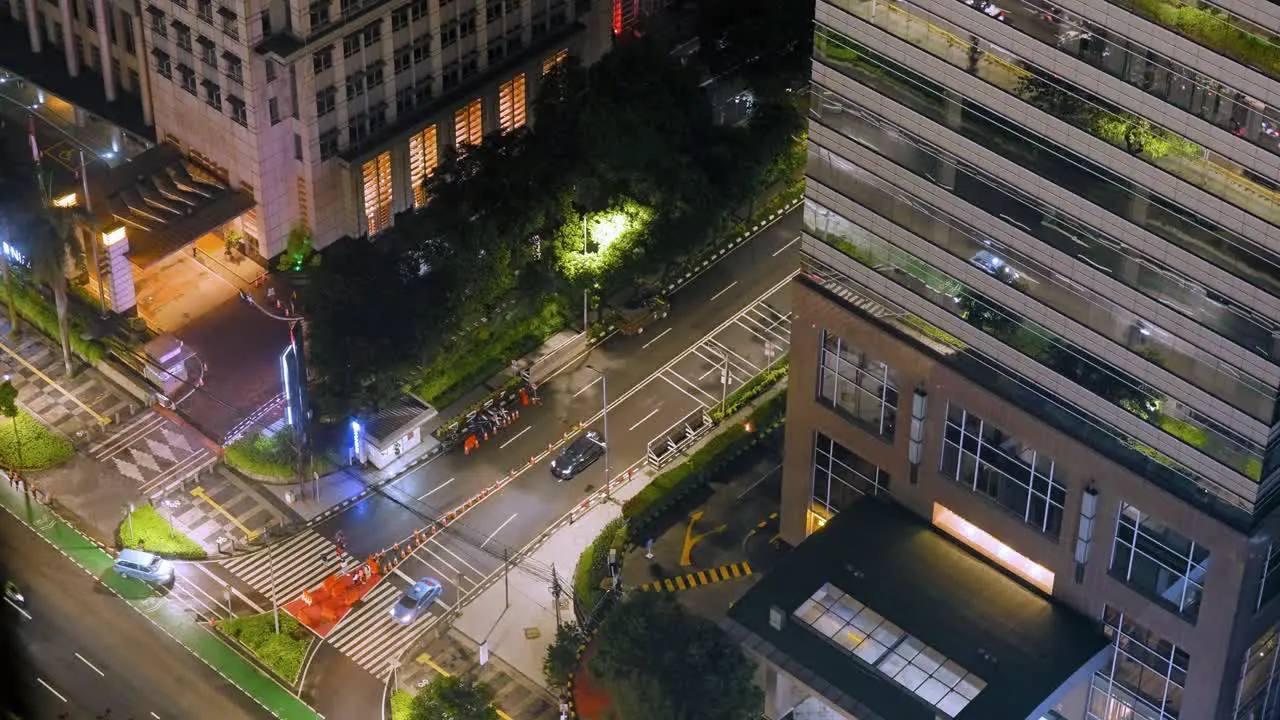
pixel 100 11
pixel 1139 203
pixel 69 38
pixel 144 68
pixel 33 26
pixel 946 168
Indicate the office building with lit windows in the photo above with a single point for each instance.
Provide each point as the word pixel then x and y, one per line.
pixel 1038 309
pixel 325 116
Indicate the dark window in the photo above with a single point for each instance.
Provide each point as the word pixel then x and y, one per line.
pixel 328 144
pixel 322 60
pixel 273 111
pixel 238 111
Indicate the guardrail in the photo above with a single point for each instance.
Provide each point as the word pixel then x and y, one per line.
pixel 671 441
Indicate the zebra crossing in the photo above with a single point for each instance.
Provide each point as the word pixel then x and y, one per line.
pixel 299 562
pixel 154 452
pixel 371 637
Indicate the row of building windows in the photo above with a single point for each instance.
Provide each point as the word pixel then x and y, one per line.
pixel 1147 555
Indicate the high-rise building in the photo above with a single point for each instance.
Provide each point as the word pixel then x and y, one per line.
pixel 329 114
pixel 1038 308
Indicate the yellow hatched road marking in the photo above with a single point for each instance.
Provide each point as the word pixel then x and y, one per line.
pixel 702 577
pixel 734 569
pixel 680 582
pixel 670 587
pixel 746 569
pixel 250 534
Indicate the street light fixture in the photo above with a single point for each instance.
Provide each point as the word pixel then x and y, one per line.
pixel 604 391
pixel 300 423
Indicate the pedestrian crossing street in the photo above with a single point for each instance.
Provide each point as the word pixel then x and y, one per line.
pixel 371 637
pixel 300 562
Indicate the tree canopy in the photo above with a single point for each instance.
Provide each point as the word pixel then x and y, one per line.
pixel 704 676
pixel 634 131
pixel 454 698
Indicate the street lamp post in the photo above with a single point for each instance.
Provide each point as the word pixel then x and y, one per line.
pixel 300 423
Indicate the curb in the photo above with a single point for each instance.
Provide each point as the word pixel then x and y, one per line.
pixel 715 253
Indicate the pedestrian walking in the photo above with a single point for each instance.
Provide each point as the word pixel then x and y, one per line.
pixel 271 292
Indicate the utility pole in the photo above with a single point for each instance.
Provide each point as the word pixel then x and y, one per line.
pixel 724 383
pixel 604 389
pixel 506 577
pixel 555 594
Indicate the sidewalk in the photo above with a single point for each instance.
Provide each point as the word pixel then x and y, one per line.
pixel 196 638
pixel 520 632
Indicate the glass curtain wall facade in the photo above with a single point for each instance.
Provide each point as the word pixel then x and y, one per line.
pixel 1119 269
pixel 1079 213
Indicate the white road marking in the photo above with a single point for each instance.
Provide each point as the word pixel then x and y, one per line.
pixel 403 576
pixel 686 392
pixel 782 249
pixel 515 437
pixel 727 288
pixel 15 606
pixel 49 687
pixel 646 417
pixel 587 387
pixel 428 493
pixel 458 557
pixel 655 339
pixel 234 590
pixel 495 532
pixel 91 665
pixel 157 717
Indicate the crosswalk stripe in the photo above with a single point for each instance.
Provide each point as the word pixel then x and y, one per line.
pixel 370 636
pixel 297 565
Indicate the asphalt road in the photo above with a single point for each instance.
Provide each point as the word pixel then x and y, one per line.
pixel 85 652
pixel 654 379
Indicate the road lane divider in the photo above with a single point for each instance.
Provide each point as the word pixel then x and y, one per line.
pixel 91 665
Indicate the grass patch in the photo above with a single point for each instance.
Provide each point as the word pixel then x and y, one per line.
pixel 593 565
pixel 282 653
pixel 270 456
pixel 152 533
pixel 480 354
pixel 41 447
pixel 401 705
pixel 35 309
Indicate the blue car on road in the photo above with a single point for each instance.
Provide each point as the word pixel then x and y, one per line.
pixel 419 596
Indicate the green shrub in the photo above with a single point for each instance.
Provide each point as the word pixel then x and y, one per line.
pixel 754 388
pixel 1252 468
pixel 151 532
pixel 484 352
pixel 283 653
pixel 40 446
pixel 933 332
pixel 401 705
pixel 1212 29
pixel 561 658
pixel 1186 432
pixel 41 313
pixel 593 564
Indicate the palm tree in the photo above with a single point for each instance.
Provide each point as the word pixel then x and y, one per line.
pixel 54 233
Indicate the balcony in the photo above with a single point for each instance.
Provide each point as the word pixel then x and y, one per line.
pixel 1097 184
pixel 1136 135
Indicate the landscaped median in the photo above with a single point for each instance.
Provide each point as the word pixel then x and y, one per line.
pixel 282 652
pixel 171 620
pixel 145 529
pixel 270 458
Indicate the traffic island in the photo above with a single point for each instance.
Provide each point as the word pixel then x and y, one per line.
pixel 281 652
pixel 144 529
pixel 321 609
pixel 25 444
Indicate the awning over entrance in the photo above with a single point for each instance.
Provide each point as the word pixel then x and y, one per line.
pixel 165 201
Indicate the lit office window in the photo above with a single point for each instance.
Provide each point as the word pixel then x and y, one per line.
pixel 377 192
pixel 468 123
pixel 862 389
pixel 983 458
pixel 1258 692
pixel 840 477
pixel 511 108
pixel 554 61
pixel 424 156
pixel 1159 562
pixel 1145 678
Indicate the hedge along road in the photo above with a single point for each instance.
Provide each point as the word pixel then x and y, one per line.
pixel 165 616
